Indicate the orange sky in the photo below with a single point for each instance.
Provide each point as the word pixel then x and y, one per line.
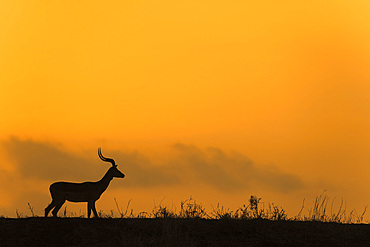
pixel 280 89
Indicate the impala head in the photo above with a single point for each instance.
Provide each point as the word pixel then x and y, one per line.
pixel 114 170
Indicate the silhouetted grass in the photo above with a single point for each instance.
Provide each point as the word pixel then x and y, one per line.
pixel 254 209
pixel 320 212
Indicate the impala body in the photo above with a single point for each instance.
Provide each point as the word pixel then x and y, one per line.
pixel 88 192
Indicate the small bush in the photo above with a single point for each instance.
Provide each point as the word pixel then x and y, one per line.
pixel 163 212
pixel 191 209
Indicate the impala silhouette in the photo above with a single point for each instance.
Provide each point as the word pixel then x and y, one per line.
pixel 88 192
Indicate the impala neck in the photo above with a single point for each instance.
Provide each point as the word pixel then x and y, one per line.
pixel 105 180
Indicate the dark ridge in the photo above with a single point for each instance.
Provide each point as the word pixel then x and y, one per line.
pixel 178 232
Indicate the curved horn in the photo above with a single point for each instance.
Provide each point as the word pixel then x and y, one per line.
pixel 105 159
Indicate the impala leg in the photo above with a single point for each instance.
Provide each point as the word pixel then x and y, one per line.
pixel 94 210
pixel 48 208
pixel 89 208
pixel 57 207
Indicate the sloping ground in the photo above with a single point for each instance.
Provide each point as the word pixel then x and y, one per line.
pixel 178 232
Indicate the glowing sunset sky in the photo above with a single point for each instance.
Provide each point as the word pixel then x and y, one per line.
pixel 213 99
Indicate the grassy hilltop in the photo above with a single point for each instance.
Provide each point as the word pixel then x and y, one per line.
pixel 178 232
pixel 250 225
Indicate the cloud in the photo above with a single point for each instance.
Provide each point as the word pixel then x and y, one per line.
pixel 185 165
pixel 48 161
pixel 45 160
pixel 231 171
pixel 141 172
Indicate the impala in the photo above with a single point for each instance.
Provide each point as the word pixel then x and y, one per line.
pixel 88 192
